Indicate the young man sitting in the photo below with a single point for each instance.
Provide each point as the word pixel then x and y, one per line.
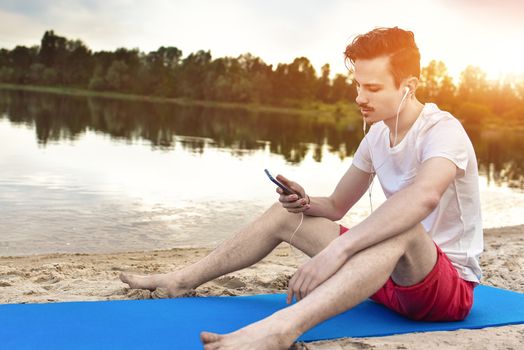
pixel 416 254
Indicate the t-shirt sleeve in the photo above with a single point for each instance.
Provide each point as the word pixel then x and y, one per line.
pixel 449 140
pixel 362 159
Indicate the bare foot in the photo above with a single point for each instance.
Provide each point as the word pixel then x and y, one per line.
pixel 167 281
pixel 268 334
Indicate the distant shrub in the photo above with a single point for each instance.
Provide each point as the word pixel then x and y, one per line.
pixel 474 114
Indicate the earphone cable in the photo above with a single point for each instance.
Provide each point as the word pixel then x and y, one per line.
pixel 374 171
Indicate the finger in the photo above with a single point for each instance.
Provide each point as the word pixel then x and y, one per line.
pixel 292 205
pixel 287 199
pixel 312 286
pixel 291 283
pixel 289 297
pixel 298 294
pixel 283 197
pixel 302 202
pixel 288 204
pixel 299 204
pixel 292 198
pixel 284 180
pixel 291 184
pixel 296 210
pixel 297 287
pixel 304 288
pixel 295 283
pixel 300 208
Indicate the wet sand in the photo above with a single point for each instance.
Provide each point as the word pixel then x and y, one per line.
pixel 75 277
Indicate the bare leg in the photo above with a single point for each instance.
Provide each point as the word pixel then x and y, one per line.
pixel 411 254
pixel 247 247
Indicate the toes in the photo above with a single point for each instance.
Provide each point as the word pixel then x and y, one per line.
pixel 124 277
pixel 207 337
pixel 211 346
pixel 134 281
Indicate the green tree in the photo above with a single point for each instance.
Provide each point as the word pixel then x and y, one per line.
pixel 446 92
pixel 36 73
pixel 436 85
pixel 163 65
pixel 117 77
pixel 474 114
pixel 323 84
pixel 192 77
pixel 78 64
pixel 295 81
pixel 52 49
pixel 342 90
pixel 473 85
pixel 97 81
pixel 21 59
pixel 259 75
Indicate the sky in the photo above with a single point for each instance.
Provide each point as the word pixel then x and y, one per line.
pixel 484 33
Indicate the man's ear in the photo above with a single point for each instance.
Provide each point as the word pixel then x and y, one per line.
pixel 412 83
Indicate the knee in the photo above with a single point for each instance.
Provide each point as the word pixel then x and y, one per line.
pixel 414 234
pixel 282 218
pixel 416 240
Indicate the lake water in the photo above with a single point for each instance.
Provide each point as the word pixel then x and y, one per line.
pixel 99 175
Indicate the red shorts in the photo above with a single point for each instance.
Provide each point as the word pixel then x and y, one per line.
pixel 441 296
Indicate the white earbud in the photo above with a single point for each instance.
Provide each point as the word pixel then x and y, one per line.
pixel 406 91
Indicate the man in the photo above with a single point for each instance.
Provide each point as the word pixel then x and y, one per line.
pixel 417 253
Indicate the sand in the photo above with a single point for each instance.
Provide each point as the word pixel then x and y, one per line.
pixel 74 277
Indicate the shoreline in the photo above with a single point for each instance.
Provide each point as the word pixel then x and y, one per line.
pixel 338 112
pixel 487 231
pixel 63 277
pixel 315 109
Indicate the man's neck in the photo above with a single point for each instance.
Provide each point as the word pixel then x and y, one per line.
pixel 406 119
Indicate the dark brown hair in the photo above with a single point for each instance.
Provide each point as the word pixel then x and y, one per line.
pixel 395 43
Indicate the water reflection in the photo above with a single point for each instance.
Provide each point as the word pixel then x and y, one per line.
pixel 57 118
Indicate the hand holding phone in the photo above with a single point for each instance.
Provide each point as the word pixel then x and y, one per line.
pixel 299 204
pixel 284 188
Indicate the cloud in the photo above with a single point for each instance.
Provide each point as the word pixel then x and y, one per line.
pixel 93 21
pixel 27 31
pixel 29 8
pixel 508 13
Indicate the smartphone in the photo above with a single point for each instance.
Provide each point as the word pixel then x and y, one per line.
pixel 284 188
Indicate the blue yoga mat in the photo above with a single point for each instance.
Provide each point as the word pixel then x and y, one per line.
pixel 176 323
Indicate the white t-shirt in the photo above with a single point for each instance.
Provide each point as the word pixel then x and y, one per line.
pixel 455 224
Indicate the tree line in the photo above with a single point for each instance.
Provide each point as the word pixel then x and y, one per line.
pixel 59 61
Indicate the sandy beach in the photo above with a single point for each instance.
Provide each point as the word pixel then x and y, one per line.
pixel 75 277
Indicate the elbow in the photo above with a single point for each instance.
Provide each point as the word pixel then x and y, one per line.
pixel 337 216
pixel 337 212
pixel 430 200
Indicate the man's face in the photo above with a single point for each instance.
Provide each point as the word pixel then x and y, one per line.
pixel 378 98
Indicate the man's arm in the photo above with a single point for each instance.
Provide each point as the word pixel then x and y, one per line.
pixel 398 214
pixel 404 209
pixel 348 191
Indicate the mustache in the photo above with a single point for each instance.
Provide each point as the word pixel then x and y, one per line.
pixel 364 106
